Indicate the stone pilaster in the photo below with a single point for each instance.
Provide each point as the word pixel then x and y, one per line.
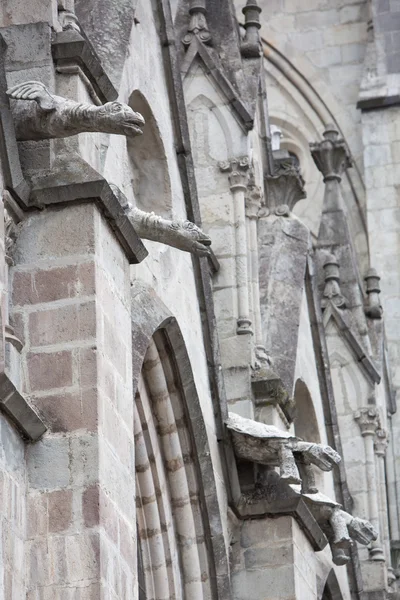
pixel 253 201
pixel 238 172
pixel 368 421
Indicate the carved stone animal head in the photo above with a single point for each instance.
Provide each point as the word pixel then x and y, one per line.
pixel 362 531
pixel 116 117
pixel 324 457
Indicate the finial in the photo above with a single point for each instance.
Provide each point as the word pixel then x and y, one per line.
pixel 198 26
pixel 251 45
pixel 332 291
pixel 374 308
pixel 331 155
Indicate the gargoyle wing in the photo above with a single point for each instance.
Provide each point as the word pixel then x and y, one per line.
pixel 33 90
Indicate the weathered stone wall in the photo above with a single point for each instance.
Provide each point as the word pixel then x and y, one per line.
pixel 72 305
pixel 13 515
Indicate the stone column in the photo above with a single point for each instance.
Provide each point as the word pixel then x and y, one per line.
pixel 237 170
pixel 380 445
pixel 368 421
pixel 253 205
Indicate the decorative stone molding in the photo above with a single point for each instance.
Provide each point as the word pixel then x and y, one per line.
pixel 198 23
pixel 374 309
pixel 183 235
pixel 368 420
pixel 381 442
pixel 330 155
pixel 39 114
pixel 251 46
pixel 268 445
pixel 237 170
pixel 284 188
pixel 332 291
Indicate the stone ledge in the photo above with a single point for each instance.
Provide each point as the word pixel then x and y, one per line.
pixel 71 179
pixel 379 102
pixel 20 412
pixel 71 47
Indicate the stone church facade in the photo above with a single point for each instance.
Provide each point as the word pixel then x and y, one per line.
pixel 199 299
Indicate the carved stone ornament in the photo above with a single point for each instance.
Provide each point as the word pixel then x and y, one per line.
pixel 284 188
pixel 268 445
pixel 183 235
pixel 339 526
pixel 39 114
pixel 332 291
pixel 69 20
pixel 198 23
pixel 368 420
pixel 251 45
pixel 330 155
pixel 374 308
pixel 253 198
pixel 238 171
pixel 381 442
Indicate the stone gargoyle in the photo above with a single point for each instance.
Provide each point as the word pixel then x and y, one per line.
pixel 268 445
pixel 339 526
pixel 183 235
pixel 39 114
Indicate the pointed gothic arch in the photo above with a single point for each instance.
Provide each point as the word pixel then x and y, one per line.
pixel 180 534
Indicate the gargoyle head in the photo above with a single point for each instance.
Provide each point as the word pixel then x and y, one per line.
pixel 196 240
pixel 324 457
pixel 120 118
pixel 362 531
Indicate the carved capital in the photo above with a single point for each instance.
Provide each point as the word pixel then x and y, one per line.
pixel 330 155
pixel 198 26
pixel 284 188
pixel 368 420
pixel 251 45
pixel 332 291
pixel 238 172
pixel 373 309
pixel 381 442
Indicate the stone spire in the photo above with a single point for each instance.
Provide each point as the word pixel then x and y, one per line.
pixel 251 44
pixel 198 26
pixel 374 308
pixel 332 291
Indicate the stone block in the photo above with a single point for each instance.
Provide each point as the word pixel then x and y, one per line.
pixel 84 460
pixel 63 324
pixel 62 232
pixel 91 506
pixel 69 411
pixel 48 463
pixel 50 370
pixel 50 285
pixel 59 510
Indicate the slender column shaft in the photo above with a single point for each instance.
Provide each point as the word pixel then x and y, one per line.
pixel 238 190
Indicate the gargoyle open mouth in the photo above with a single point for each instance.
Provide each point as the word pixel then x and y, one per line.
pixel 133 124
